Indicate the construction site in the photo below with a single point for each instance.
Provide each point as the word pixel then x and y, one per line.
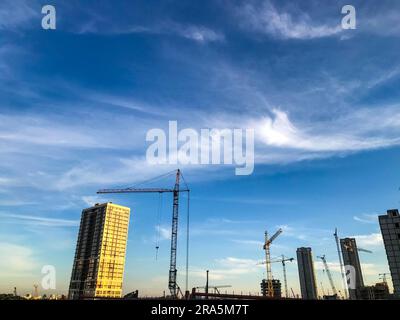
pixel 107 284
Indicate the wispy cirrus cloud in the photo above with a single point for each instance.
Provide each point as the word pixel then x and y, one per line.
pixel 367 218
pixel 37 220
pixel 197 33
pixel 369 240
pixel 16 14
pixel 248 242
pixel 265 18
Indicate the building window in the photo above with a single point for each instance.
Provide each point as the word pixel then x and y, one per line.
pixel 397 225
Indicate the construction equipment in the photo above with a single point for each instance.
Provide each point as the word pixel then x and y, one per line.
pixel 383 277
pixel 207 287
pixel 267 244
pixel 351 249
pixel 364 250
pixel 172 285
pixel 294 296
pixel 283 260
pixel 341 264
pixel 328 272
pixel 215 288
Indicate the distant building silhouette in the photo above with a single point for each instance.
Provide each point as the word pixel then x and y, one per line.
pixel 305 263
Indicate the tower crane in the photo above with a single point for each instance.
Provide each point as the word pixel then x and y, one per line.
pixel 294 296
pixel 341 264
pixel 267 244
pixel 328 272
pixel 383 277
pixel 351 249
pixel 172 285
pixel 283 260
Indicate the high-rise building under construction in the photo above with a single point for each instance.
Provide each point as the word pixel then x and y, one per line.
pixel 99 262
pixel 350 258
pixel 390 228
pixel 308 283
pixel 276 285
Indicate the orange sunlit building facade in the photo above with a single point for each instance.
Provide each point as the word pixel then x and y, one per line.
pixel 99 262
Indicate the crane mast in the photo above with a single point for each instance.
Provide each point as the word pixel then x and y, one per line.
pixel 284 273
pixel 172 284
pixel 328 272
pixel 341 264
pixel 270 288
pixel 283 261
pixel 267 244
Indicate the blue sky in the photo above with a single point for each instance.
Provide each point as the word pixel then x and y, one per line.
pixel 76 103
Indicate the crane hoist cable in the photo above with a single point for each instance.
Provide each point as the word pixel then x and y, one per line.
pixel 175 191
pixel 158 225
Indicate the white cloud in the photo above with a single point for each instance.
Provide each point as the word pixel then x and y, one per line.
pixel 38 131
pixel 369 240
pixel 6 181
pixel 15 203
pixel 371 269
pixel 197 33
pixel 333 266
pixel 97 174
pixel 279 140
pixel 17 259
pixel 384 77
pixel 200 34
pixel 237 262
pixel 164 232
pixel 92 200
pixel 266 18
pixel 38 221
pixel 15 14
pixel 229 268
pixel 367 218
pixel 249 242
pixel 297 233
pixel 340 135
